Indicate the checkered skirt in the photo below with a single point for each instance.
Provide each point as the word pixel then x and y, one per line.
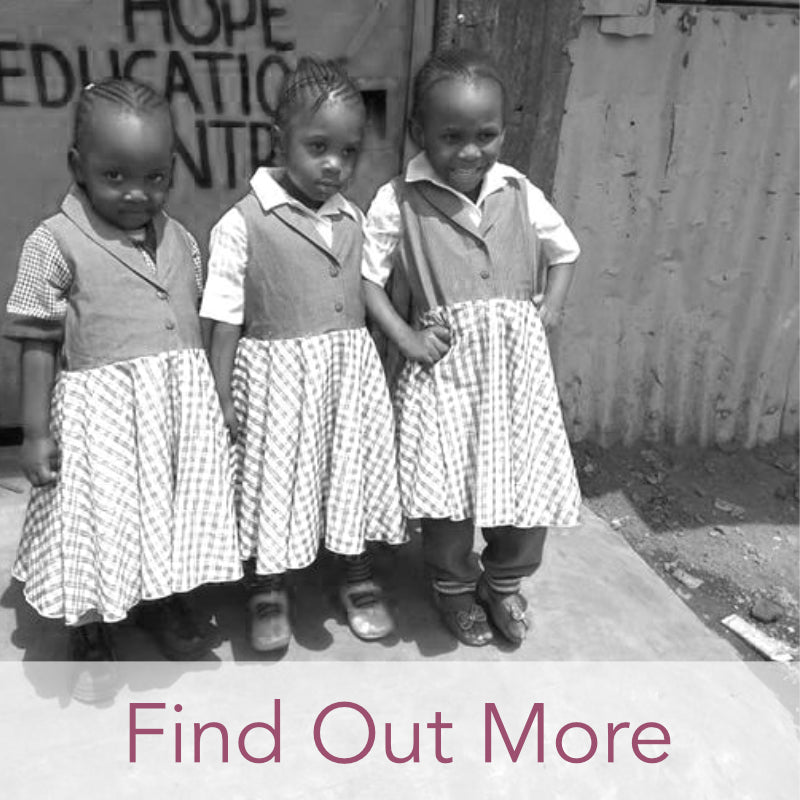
pixel 143 505
pixel 315 453
pixel 481 434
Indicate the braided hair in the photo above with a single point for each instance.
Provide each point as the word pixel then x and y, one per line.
pixel 136 97
pixel 464 64
pixel 313 83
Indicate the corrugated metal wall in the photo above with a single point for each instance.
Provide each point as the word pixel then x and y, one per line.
pixel 678 167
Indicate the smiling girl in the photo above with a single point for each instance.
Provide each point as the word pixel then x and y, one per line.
pixel 124 440
pixel 487 263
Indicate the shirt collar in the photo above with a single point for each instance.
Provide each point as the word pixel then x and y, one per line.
pixel 271 194
pixel 420 169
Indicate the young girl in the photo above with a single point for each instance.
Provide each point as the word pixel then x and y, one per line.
pixel 300 382
pixel 132 496
pixel 481 439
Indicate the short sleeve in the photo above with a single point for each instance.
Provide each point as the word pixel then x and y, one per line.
pixel 382 230
pixel 559 245
pixel 223 298
pixel 38 302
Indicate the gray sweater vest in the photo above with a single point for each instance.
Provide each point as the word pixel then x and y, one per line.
pixel 446 259
pixel 294 285
pixel 117 308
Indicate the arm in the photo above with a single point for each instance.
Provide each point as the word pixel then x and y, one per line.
pixel 426 346
pixel 382 231
pixel 559 278
pixel 560 250
pixel 206 329
pixel 222 308
pixel 224 339
pixel 36 309
pixel 39 450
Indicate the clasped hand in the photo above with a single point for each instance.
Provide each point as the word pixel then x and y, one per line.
pixel 427 346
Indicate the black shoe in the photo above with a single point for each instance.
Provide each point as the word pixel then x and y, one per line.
pixel 91 642
pixel 95 677
pixel 179 634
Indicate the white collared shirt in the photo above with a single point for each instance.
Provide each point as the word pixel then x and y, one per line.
pixel 383 227
pixel 223 299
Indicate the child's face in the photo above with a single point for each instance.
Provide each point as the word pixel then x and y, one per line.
pixel 125 164
pixel 320 148
pixel 461 130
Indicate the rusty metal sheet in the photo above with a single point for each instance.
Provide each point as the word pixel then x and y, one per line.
pixel 678 169
pixel 606 8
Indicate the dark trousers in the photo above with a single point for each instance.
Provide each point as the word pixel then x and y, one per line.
pixel 510 554
pixel 357 568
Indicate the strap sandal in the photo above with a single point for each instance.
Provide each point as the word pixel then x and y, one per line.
pixel 367 614
pixel 269 624
pixel 506 611
pixel 464 618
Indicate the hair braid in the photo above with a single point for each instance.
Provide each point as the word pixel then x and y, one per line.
pixel 134 96
pixel 313 83
pixel 464 64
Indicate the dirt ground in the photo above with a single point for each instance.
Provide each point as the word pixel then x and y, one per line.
pixel 720 527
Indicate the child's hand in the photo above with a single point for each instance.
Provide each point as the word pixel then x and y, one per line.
pixel 40 460
pixel 551 304
pixel 426 346
pixel 550 316
pixel 231 422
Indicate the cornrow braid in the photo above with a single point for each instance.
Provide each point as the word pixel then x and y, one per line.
pixel 313 83
pixel 461 63
pixel 134 96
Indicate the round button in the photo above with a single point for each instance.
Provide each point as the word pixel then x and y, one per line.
pixel 334 271
pixel 339 306
pixel 485 274
pixel 161 295
pixel 169 325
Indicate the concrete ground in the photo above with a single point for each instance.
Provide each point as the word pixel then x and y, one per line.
pixel 594 599
pixel 611 642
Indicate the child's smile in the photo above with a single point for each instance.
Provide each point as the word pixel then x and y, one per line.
pixel 124 164
pixel 461 130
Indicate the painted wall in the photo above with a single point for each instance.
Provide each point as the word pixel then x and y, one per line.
pixel 221 63
pixel 678 168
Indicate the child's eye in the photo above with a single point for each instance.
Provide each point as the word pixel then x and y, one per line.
pixel 157 178
pixel 113 175
pixel 316 148
pixel 450 138
pixel 350 152
pixel 486 137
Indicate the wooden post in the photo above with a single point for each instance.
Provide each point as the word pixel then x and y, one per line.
pixel 528 40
